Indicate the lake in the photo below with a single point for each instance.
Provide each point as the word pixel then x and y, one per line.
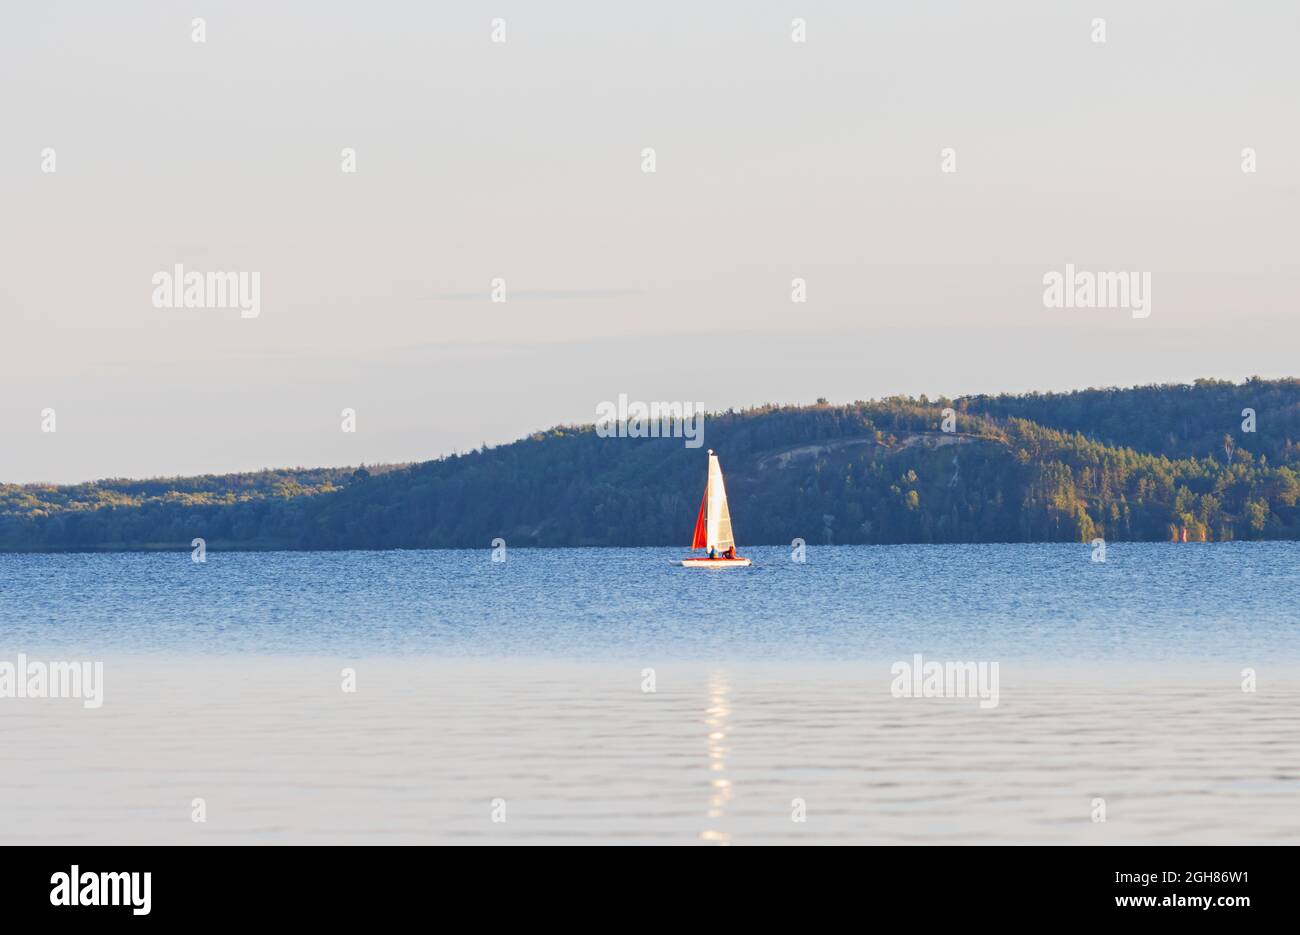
pixel 1151 602
pixel 605 696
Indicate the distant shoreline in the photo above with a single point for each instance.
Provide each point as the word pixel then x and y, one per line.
pixel 235 549
pixel 1211 461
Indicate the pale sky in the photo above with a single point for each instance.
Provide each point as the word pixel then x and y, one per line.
pixel 523 160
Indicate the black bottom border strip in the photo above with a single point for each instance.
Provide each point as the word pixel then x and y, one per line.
pixel 146 885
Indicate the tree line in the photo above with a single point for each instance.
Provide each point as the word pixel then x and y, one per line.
pixel 1156 463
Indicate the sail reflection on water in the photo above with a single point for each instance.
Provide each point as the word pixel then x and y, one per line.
pixel 720 789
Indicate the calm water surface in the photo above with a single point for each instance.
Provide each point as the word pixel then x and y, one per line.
pixel 524 683
pixel 1232 601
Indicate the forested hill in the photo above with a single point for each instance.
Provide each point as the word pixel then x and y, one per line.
pixel 1149 463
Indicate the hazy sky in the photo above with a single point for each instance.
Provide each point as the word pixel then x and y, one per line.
pixel 523 160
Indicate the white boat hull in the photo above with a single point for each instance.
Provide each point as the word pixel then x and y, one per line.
pixel 716 563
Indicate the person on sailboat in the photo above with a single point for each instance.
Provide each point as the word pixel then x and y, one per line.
pixel 731 552
pixel 713 551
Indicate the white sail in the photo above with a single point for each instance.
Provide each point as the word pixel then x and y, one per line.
pixel 719 517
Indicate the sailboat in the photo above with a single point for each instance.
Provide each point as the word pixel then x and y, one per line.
pixel 713 525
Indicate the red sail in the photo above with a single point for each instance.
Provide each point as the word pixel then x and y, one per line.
pixel 701 537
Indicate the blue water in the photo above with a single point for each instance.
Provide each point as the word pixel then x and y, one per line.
pixel 1214 602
